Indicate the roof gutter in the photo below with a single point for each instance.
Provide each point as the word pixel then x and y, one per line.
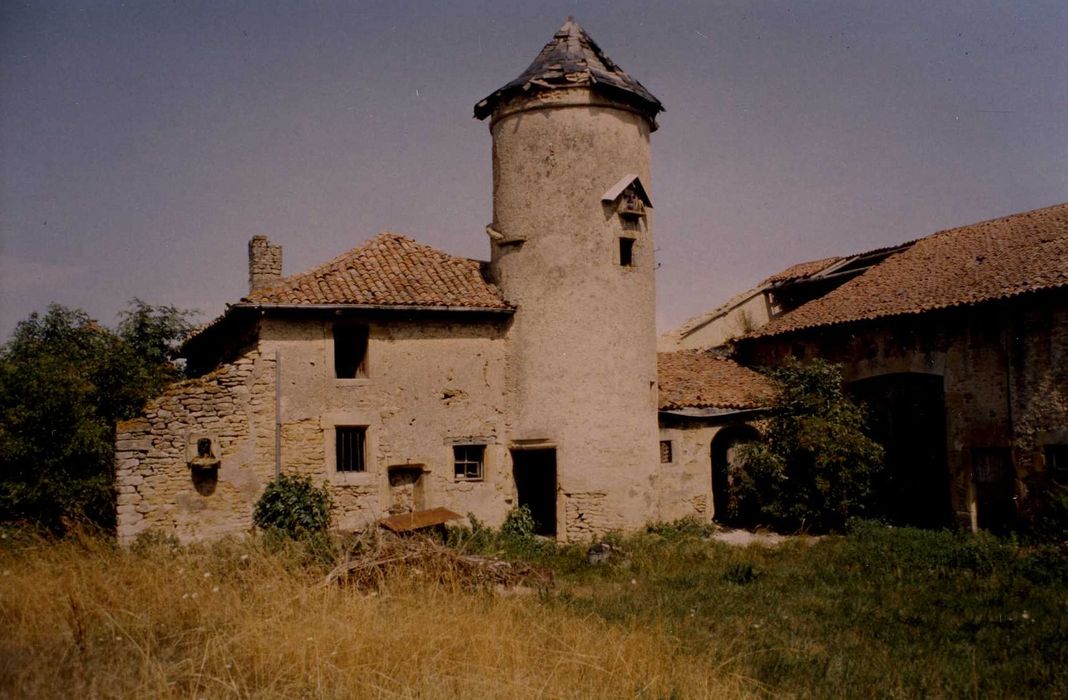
pixel 714 415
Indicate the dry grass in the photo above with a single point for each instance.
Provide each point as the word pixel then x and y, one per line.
pixel 84 619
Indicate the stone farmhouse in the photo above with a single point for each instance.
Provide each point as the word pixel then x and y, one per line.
pixel 408 379
pixel 957 342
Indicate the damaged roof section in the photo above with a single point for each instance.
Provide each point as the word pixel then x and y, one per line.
pixel 990 260
pixel 572 59
pixel 701 379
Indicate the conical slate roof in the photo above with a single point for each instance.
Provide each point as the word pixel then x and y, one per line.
pixel 572 59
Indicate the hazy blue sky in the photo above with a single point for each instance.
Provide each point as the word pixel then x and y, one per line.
pixel 143 143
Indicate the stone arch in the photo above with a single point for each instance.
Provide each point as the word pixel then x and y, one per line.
pixel 724 454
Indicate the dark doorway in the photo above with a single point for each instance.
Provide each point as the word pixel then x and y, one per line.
pixel 995 488
pixel 724 450
pixel 535 484
pixel 907 416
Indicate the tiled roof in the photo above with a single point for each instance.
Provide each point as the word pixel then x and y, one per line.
pixel 700 379
pixel 990 260
pixel 802 271
pixel 572 59
pixel 388 270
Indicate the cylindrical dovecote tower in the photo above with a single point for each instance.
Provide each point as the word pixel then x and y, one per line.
pixel 572 249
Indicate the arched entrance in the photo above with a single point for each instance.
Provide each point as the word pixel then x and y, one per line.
pixel 724 451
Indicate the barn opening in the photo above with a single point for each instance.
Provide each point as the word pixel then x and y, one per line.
pixel 535 483
pixel 907 416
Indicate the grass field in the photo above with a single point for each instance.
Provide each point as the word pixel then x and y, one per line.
pixel 882 613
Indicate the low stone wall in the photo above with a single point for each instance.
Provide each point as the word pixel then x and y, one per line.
pixel 586 515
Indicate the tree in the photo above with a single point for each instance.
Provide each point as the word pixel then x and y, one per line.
pixel 814 467
pixel 64 382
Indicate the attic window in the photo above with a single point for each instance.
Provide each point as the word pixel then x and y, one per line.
pixel 626 252
pixel 350 351
pixel 665 452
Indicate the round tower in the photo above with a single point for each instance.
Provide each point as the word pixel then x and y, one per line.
pixel 572 249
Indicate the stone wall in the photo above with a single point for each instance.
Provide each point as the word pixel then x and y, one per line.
pixel 232 407
pixel 430 385
pixel 685 483
pixel 1004 370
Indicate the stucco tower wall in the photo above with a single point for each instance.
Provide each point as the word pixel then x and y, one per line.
pixel 582 362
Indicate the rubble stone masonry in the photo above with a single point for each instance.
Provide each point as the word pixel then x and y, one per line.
pixel 429 385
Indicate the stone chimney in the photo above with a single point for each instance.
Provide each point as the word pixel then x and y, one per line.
pixel 264 263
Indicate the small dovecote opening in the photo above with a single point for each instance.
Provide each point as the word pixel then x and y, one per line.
pixel 629 199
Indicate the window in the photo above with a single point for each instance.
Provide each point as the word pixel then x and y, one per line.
pixel 350 449
pixel 350 351
pixel 468 461
pixel 665 452
pixel 626 252
pixel 1057 463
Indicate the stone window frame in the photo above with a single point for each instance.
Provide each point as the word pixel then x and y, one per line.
pixel 363 370
pixel 357 460
pixel 330 422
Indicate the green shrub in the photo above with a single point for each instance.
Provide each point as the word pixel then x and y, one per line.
pixel 292 505
pixel 814 467
pixel 519 523
pixel 515 539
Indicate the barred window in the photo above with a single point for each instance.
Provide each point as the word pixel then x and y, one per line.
pixel 468 461
pixel 350 448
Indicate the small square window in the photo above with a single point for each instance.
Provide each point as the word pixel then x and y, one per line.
pixel 468 462
pixel 665 452
pixel 350 351
pixel 351 442
pixel 626 252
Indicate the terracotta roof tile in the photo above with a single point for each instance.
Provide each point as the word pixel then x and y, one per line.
pixel 389 269
pixel 700 379
pixel 990 260
pixel 802 271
